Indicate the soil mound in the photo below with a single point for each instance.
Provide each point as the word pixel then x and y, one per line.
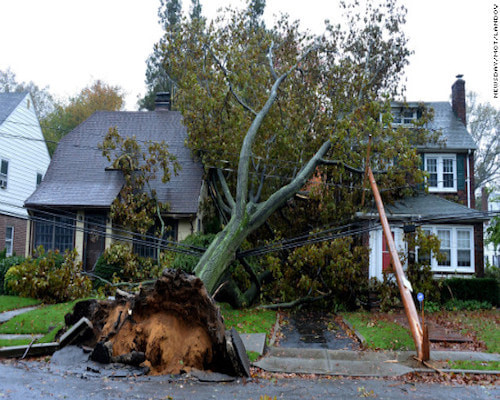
pixel 172 327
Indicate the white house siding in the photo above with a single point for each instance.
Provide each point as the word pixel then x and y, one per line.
pixel 492 254
pixel 23 146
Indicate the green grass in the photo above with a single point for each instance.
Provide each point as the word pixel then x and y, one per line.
pixel 248 320
pixel 380 333
pixel 8 303
pixel 475 365
pixel 485 324
pixel 38 321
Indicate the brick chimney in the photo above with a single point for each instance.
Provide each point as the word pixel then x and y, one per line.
pixel 162 101
pixel 484 199
pixel 458 99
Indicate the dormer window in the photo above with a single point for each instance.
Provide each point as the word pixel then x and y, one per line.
pixel 406 116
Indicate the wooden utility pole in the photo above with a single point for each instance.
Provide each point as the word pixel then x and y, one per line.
pixel 420 339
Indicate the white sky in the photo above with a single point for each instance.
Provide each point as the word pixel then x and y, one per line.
pixel 67 44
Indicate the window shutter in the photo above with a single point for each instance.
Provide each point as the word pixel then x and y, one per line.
pixel 461 171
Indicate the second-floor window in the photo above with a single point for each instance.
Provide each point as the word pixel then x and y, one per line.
pixel 442 170
pixel 4 170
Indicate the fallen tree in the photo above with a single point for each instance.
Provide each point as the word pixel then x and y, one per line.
pixel 172 327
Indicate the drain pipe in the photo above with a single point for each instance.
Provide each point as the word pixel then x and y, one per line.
pixel 468 179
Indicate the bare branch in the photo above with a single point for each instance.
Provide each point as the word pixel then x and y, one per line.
pixel 226 74
pixel 270 59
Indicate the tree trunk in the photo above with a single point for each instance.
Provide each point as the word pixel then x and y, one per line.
pixel 221 252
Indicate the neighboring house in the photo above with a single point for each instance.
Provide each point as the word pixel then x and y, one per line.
pixel 70 209
pixel 24 158
pixel 448 208
pixel 492 205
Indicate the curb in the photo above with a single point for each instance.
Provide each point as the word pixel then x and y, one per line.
pixel 360 337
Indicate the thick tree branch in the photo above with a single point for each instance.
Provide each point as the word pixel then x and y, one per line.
pixel 246 148
pixel 278 198
pixel 225 188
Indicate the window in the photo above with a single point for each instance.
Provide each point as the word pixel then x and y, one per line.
pixel 53 233
pixel 9 240
pixel 4 170
pixel 39 178
pixel 147 245
pixel 405 116
pixel 457 249
pixel 444 236
pixel 442 170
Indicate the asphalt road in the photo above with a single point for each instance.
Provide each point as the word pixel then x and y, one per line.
pixel 34 380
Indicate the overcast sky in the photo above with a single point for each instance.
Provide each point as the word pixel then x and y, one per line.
pixel 67 44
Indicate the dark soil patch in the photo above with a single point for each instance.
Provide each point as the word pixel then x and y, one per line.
pixel 315 329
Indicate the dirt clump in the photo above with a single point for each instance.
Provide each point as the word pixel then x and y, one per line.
pixel 175 326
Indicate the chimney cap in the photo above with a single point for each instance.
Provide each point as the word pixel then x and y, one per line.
pixel 162 101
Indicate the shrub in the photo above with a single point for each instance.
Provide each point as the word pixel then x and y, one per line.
pixel 3 254
pixel 187 262
pixel 469 305
pixel 5 264
pixel 50 277
pixel 480 289
pixel 119 263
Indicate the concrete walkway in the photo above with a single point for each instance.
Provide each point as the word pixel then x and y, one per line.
pixel 357 363
pixel 6 315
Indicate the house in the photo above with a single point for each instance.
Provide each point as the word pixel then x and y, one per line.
pixel 491 205
pixel 24 158
pixel 70 209
pixel 447 210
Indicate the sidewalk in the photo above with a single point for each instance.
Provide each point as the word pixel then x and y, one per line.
pixel 359 363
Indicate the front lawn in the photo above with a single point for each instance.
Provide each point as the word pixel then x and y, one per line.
pixel 8 303
pixel 380 333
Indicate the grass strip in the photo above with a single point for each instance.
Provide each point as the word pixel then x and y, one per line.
pixel 475 365
pixel 8 303
pixel 380 333
pixel 248 320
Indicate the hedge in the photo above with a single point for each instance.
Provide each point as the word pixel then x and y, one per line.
pixel 480 289
pixel 5 264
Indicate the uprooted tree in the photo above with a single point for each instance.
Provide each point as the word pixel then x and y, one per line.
pixel 279 102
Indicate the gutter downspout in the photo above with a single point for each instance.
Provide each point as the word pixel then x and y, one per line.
pixel 468 178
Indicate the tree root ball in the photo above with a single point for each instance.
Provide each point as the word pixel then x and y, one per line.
pixel 176 324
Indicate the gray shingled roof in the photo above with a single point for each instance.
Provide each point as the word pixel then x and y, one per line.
pixel 454 134
pixel 426 207
pixel 8 103
pixel 77 175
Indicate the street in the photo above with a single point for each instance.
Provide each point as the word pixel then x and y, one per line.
pixel 34 380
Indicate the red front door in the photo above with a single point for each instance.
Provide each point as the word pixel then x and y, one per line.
pixel 386 256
